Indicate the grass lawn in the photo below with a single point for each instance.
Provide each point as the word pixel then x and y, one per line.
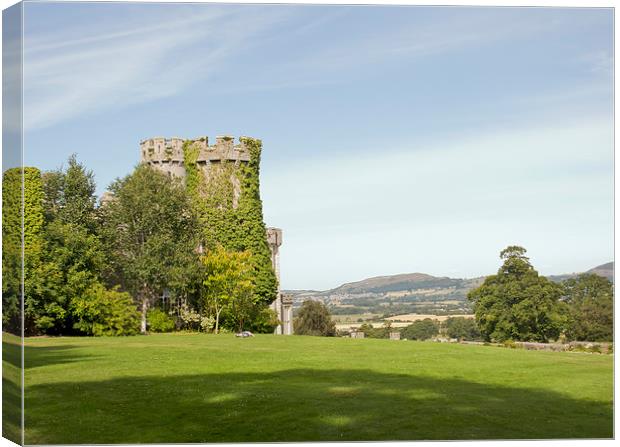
pixel 205 388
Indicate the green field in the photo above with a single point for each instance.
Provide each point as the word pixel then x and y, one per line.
pixel 207 388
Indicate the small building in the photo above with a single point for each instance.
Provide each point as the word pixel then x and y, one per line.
pixel 357 334
pixel 394 335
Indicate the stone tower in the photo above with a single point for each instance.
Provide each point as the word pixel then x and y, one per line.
pixel 167 156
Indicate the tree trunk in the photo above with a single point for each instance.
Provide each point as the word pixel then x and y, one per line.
pixel 145 307
pixel 217 321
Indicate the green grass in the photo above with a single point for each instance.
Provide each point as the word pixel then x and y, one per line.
pixel 11 388
pixel 206 388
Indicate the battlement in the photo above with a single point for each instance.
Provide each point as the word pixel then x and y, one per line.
pixel 161 151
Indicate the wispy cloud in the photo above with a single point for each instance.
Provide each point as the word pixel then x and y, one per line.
pixel 141 58
pixel 67 74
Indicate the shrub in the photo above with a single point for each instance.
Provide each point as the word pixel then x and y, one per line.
pixel 265 321
pixel 380 332
pixel 160 321
pixel 100 311
pixel 188 318
pixel 207 322
pixel 596 348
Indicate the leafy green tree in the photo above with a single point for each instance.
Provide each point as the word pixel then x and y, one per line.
pixel 70 196
pixel 461 328
pixel 228 282
pixel 517 303
pixel 591 308
pixel 149 234
pixel 421 330
pixel 313 318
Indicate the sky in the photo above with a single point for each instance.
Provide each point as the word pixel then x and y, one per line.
pixel 395 139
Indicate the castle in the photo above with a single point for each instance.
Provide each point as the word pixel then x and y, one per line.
pixel 167 156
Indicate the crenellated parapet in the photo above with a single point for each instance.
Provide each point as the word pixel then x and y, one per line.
pixel 160 151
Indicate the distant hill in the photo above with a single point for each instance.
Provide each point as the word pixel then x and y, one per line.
pixel 604 270
pixel 392 283
pixel 419 281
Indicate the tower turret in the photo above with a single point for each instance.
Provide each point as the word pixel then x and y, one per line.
pixel 167 154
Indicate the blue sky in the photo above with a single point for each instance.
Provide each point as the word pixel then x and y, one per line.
pixel 396 139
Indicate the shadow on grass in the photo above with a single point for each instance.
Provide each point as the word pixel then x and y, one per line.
pixel 11 391
pixel 302 405
pixel 36 356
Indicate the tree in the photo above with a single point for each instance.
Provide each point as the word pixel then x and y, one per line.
pixel 421 330
pixel 590 306
pixel 70 195
pixel 462 328
pixel 149 233
pixel 227 282
pixel 517 303
pixel 73 258
pixel 313 318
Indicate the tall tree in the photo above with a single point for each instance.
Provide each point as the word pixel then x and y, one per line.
pixel 591 308
pixel 313 318
pixel 517 303
pixel 72 260
pixel 150 233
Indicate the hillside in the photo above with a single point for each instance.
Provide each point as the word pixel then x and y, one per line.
pixel 407 281
pixel 604 270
